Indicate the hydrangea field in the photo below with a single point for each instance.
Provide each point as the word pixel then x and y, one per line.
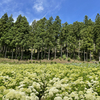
pixel 49 82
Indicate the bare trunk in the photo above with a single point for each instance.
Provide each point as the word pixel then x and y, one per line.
pixel 16 53
pixel 94 46
pixel 99 55
pixel 34 50
pixel 67 52
pixel 84 55
pixel 55 52
pixel 12 54
pixel 32 53
pixel 74 54
pixel 90 55
pixel 38 55
pixel 79 49
pixel 61 51
pixel 49 54
pixel 0 50
pixel 5 51
pixel 44 53
pixel 21 53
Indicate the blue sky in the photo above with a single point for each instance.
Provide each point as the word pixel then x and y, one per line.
pixel 68 10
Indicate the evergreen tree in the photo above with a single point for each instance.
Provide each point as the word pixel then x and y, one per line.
pixel 49 37
pixel 31 37
pixel 97 34
pixel 4 32
pixel 57 30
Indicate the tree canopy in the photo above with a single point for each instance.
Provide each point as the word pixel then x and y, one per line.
pixel 49 38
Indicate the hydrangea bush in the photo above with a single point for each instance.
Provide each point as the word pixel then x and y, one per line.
pixel 49 82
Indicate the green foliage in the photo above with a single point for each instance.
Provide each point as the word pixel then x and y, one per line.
pixel 18 57
pixel 29 61
pixel 40 61
pixel 36 61
pixel 52 58
pixel 18 37
pixel 55 62
pixel 68 59
pixel 78 58
pixel 60 58
pixel 33 61
pixel 51 62
pixel 64 57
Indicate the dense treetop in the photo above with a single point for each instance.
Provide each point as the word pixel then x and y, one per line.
pixel 49 38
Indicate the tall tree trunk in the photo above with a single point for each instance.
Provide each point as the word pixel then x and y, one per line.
pixel 74 54
pixel 5 51
pixel 99 55
pixel 34 50
pixel 32 53
pixel 87 56
pixel 84 55
pixel 38 55
pixel 67 52
pixel 79 49
pixel 94 46
pixel 21 53
pixel 55 52
pixel 61 51
pixel 12 54
pixel 44 53
pixel 49 54
pixel 16 53
pixel 90 55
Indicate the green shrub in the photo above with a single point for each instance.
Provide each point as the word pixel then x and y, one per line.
pixel 18 57
pixel 60 58
pixel 68 59
pixel 64 57
pixel 33 61
pixel 55 62
pixel 42 58
pixel 9 57
pixel 36 61
pixel 1 55
pixel 29 61
pixel 33 58
pixel 51 62
pixel 78 58
pixel 98 89
pixel 52 58
pixel 88 60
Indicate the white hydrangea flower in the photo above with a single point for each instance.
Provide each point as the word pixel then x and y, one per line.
pixel 54 90
pixel 57 98
pixel 65 98
pixel 80 92
pixel 50 94
pixel 81 96
pixel 98 98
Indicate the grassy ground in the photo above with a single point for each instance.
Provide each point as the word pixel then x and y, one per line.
pixel 6 60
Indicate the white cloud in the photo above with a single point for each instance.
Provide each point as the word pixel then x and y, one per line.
pixel 37 19
pixel 38 6
pixel 15 18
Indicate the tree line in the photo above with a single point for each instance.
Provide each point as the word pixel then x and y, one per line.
pixel 48 39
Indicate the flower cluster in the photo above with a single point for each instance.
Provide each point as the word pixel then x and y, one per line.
pixel 49 82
